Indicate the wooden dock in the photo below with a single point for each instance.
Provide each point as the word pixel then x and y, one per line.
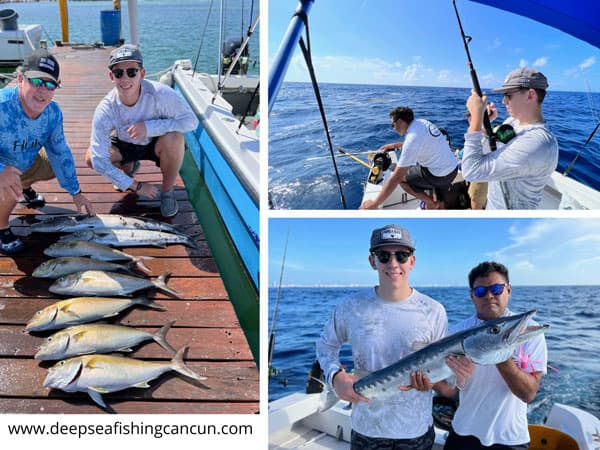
pixel 205 318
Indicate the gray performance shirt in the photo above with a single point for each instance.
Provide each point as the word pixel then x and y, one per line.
pixel 517 171
pixel 381 333
pixel 160 108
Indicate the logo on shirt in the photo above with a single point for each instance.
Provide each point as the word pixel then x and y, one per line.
pixel 433 130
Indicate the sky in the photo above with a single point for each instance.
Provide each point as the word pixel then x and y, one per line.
pixel 537 251
pixel 417 42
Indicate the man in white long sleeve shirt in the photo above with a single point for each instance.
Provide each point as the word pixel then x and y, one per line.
pixel 520 168
pixel 139 119
pixel 383 326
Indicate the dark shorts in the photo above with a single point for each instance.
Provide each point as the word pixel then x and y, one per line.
pixel 361 442
pixel 133 152
pixel 420 178
pixel 458 442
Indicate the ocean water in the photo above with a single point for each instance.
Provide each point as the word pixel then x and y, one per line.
pixel 358 119
pixel 573 338
pixel 168 30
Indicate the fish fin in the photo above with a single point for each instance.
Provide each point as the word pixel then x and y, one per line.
pixel 65 310
pixel 78 335
pixel 96 397
pixel 178 365
pixel 143 385
pixel 161 338
pixel 90 363
pixel 125 349
pixel 327 399
pixel 139 263
pixel 158 244
pixel 98 389
pixel 149 302
pixel 161 283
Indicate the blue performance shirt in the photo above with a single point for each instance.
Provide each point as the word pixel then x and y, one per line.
pixel 21 139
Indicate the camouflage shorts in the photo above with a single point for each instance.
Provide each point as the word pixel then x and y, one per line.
pixel 361 442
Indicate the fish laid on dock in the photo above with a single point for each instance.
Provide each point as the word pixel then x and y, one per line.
pixel 96 251
pixel 80 310
pixel 58 267
pixel 99 338
pixel 101 374
pixel 97 282
pixel 69 224
pixel 130 238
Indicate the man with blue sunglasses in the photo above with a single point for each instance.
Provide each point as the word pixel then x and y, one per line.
pixel 32 143
pixel 383 325
pixel 493 401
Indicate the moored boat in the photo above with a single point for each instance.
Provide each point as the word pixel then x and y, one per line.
pixel 16 42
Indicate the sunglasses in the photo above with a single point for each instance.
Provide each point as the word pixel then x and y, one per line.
pixel 509 95
pixel 495 289
pixel 38 82
pixel 384 256
pixel 394 123
pixel 131 72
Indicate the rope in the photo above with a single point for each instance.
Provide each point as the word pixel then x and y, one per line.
pixel 311 71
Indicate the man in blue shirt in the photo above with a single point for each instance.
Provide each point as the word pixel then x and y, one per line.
pixel 30 120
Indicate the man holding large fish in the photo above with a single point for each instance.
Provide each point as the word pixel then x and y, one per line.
pixel 493 402
pixel 389 323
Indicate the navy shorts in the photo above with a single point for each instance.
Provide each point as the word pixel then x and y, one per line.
pixel 420 178
pixel 361 442
pixel 458 442
pixel 133 152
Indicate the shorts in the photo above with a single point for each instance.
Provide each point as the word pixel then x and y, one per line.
pixel 134 152
pixel 478 191
pixel 457 442
pixel 40 170
pixel 362 442
pixel 420 178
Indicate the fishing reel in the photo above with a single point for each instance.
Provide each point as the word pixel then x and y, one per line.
pixel 504 133
pixel 381 162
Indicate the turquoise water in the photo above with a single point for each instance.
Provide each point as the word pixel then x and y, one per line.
pixel 168 30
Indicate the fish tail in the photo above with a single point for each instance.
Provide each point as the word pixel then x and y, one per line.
pixel 161 283
pixel 161 338
pixel 149 302
pixel 191 243
pixel 178 365
pixel 139 263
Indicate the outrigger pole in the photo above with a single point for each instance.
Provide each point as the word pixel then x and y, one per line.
pixel 286 49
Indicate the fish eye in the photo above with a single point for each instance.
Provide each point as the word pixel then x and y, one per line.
pixel 495 329
pixel 50 338
pixel 62 363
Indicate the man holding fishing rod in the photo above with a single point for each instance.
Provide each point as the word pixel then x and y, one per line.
pixel 527 155
pixel 32 143
pixel 382 326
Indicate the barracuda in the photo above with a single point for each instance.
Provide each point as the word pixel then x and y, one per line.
pixel 491 343
pixel 130 238
pixel 69 224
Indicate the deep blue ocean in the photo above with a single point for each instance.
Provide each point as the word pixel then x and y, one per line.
pixel 573 338
pixel 358 119
pixel 168 30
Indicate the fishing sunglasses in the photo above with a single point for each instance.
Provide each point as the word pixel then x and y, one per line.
pixel 495 289
pixel 384 256
pixel 509 95
pixel 131 72
pixel 38 82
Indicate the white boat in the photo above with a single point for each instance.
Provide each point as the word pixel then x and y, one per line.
pixel 561 192
pixel 294 423
pixel 16 42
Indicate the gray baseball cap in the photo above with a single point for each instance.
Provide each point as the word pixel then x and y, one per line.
pixel 124 53
pixel 523 78
pixel 391 235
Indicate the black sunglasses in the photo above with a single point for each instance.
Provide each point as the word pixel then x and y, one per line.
pixel 384 256
pixel 495 289
pixel 131 72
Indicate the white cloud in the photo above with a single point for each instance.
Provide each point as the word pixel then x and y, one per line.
pixel 496 44
pixel 523 62
pixel 541 62
pixel 588 63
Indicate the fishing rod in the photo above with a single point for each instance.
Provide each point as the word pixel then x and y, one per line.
pixel 486 118
pixel 276 307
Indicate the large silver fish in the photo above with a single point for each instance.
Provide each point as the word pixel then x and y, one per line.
pixel 101 374
pixel 75 311
pixel 96 251
pixel 69 224
pixel 58 267
pixel 99 338
pixel 97 282
pixel 130 238
pixel 490 343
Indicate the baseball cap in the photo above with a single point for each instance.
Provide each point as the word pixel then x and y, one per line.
pixel 41 64
pixel 523 78
pixel 124 53
pixel 391 235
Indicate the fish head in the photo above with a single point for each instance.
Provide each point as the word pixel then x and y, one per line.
pixel 63 373
pixel 496 340
pixel 42 318
pixel 54 347
pixel 63 284
pixel 47 268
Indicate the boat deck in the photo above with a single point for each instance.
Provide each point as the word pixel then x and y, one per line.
pixel 205 318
